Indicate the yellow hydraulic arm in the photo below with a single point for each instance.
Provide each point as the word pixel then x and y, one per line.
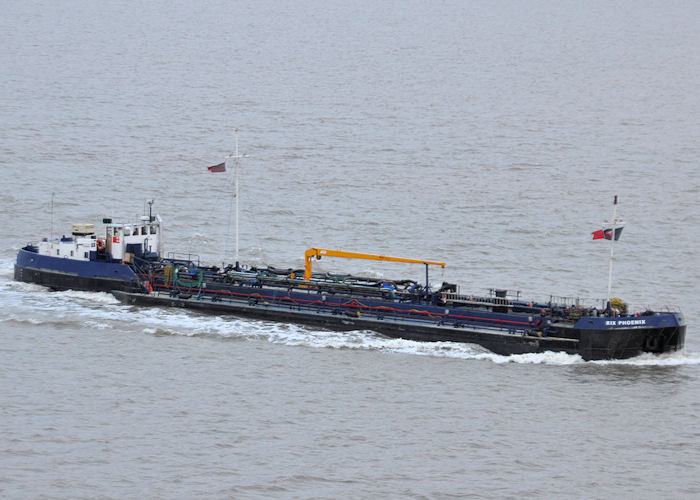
pixel 317 253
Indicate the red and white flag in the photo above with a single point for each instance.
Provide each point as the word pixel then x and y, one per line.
pixel 607 233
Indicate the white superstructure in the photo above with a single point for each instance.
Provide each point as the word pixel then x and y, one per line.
pixel 77 246
pixel 121 241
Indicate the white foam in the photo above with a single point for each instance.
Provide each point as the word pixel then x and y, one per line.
pixel 537 358
pixel 296 335
pixel 98 297
pixel 679 358
pixel 7 264
pixel 365 340
pixel 29 303
pixel 22 286
pixel 12 318
pixel 159 321
pixel 99 325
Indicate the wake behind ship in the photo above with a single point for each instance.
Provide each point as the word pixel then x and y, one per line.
pixel 127 259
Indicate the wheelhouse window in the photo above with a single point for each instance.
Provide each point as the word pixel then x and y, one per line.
pixel 153 229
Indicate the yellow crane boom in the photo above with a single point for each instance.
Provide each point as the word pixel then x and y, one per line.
pixel 317 253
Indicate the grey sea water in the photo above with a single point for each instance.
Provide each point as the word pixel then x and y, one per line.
pixel 490 135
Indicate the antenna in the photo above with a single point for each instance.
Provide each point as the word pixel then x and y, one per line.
pixel 150 210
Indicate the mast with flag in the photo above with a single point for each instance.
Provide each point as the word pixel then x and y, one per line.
pixel 612 249
pixel 611 231
pixel 236 158
pixel 221 167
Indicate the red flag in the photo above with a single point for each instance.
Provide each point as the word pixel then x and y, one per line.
pixel 598 235
pixel 221 167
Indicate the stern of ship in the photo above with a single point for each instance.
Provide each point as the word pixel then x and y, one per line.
pixel 626 337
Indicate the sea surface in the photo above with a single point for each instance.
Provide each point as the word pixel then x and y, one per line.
pixel 490 135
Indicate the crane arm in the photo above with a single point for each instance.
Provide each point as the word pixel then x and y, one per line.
pixel 317 253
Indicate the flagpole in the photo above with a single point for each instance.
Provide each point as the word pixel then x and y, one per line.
pixel 52 197
pixel 612 254
pixel 235 175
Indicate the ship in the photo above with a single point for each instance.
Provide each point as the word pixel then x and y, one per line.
pixel 127 259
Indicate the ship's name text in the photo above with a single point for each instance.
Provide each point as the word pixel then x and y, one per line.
pixel 626 322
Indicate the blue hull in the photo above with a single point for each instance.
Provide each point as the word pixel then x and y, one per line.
pixel 68 274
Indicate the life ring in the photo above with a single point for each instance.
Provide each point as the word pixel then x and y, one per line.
pixel 100 245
